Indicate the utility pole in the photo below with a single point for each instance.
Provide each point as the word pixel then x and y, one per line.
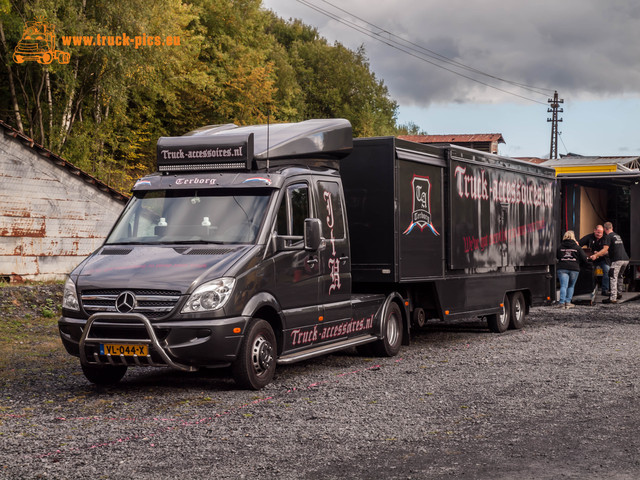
pixel 554 110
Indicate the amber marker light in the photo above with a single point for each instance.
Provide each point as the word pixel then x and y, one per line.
pixel 406 304
pixel 237 330
pixel 502 305
pixel 446 312
pixel 320 319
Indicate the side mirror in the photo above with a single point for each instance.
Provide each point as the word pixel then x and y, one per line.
pixel 312 238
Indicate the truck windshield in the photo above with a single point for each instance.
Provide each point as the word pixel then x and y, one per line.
pixel 191 216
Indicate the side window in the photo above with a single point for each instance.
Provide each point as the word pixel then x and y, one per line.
pixel 330 209
pixel 299 209
pixel 281 223
pixel 293 210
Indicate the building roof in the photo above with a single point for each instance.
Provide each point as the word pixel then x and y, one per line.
pixel 61 162
pixel 455 138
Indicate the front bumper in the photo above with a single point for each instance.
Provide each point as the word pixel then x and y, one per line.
pixel 184 345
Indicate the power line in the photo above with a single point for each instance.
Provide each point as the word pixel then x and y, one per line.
pixel 441 57
pixel 421 52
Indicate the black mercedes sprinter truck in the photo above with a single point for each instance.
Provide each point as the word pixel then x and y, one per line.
pixel 270 244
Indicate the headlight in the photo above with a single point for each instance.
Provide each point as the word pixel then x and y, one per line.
pixel 70 298
pixel 209 296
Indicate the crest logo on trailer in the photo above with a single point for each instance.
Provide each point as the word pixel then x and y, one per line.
pixel 421 211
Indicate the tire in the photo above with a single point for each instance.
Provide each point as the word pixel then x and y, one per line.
pixel 390 344
pixel 104 374
pixel 419 318
pixel 518 311
pixel 499 322
pixel 256 363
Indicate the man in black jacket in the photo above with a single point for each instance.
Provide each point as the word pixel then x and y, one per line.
pixel 613 246
pixel 595 242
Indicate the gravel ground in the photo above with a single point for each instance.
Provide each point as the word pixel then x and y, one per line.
pixel 557 399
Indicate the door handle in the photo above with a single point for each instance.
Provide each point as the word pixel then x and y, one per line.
pixel 312 261
pixel 344 259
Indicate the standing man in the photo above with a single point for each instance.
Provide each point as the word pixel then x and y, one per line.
pixel 619 260
pixel 595 242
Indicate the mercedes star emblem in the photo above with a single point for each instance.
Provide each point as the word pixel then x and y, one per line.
pixel 126 302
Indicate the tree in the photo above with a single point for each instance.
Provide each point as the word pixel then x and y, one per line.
pixel 235 62
pixel 410 128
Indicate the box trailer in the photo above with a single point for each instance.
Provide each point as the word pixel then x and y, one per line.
pixel 457 231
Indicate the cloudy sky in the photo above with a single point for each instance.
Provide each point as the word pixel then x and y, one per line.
pixel 465 66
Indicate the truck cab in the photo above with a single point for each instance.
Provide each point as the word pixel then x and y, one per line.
pixel 235 253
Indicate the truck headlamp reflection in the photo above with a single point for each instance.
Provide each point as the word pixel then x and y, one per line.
pixel 209 296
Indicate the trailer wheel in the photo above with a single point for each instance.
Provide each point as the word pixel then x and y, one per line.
pixel 518 311
pixel 389 345
pixel 499 322
pixel 103 374
pixel 419 318
pixel 256 363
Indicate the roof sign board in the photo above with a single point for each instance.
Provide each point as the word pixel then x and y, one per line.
pixel 201 153
pixel 228 147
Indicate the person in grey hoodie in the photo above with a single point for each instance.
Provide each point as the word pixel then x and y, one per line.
pixel 614 247
pixel 570 255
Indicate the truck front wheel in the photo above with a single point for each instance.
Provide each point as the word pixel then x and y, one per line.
pixel 256 362
pixel 389 345
pixel 499 322
pixel 104 374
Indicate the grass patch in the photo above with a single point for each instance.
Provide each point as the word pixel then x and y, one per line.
pixel 29 339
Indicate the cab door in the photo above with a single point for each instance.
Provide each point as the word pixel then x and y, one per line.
pixel 334 256
pixel 296 270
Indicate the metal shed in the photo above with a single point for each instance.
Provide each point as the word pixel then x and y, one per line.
pixel 52 214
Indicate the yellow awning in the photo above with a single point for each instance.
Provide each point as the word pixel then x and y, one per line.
pixel 586 169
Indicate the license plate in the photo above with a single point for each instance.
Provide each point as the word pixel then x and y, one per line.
pixel 126 350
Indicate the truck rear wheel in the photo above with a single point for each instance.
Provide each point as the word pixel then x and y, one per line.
pixel 104 374
pixel 518 311
pixel 256 363
pixel 389 345
pixel 499 322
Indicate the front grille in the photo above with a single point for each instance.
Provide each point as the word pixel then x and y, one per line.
pixel 151 303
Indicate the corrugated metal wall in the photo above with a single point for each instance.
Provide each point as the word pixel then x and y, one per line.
pixel 51 218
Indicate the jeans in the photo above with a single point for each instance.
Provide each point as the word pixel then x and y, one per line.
pixel 616 274
pixel 568 279
pixel 602 263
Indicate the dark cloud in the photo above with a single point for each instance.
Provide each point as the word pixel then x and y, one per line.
pixel 582 48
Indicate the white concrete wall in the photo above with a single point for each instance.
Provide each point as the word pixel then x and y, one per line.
pixel 50 218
